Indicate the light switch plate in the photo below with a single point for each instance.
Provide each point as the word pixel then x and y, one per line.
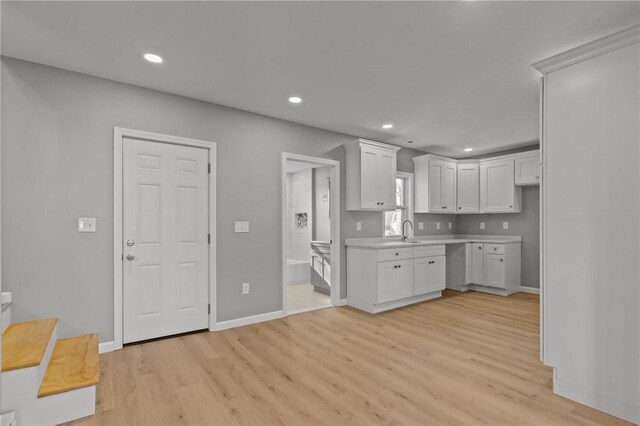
pixel 358 226
pixel 481 225
pixel 86 224
pixel 420 225
pixel 437 225
pixel 450 225
pixel 245 288
pixel 505 225
pixel 242 226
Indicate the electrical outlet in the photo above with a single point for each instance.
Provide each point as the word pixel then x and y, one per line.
pixel 437 225
pixel 358 226
pixel 481 225
pixel 505 225
pixel 450 225
pixel 420 225
pixel 245 288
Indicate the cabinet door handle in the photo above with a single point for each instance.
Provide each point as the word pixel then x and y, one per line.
pixel 510 207
pixel 459 208
pixel 399 266
pixel 501 260
pixel 479 248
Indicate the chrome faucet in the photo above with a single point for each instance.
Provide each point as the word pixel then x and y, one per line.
pixel 404 237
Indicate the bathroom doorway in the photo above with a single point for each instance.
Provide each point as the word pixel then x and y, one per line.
pixel 310 233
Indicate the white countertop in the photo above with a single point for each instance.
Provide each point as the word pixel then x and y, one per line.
pixel 430 240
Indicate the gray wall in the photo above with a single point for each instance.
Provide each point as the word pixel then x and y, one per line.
pixel 57 165
pixel 526 224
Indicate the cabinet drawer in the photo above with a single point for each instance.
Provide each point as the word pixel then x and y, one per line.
pixel 428 251
pixel 494 248
pixel 395 254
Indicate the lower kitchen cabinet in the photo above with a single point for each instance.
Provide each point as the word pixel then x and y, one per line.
pixel 383 279
pixel 429 274
pixel 395 280
pixel 493 267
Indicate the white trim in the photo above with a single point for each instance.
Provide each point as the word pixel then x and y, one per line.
pixel 625 410
pixel 253 319
pixel 335 222
pixel 532 290
pixel 342 302
pixel 118 135
pixel 589 50
pixel 105 347
pixel 360 141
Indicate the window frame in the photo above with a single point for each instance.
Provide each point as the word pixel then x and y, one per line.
pixel 408 188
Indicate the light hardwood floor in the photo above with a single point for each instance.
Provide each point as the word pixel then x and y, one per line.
pixel 467 358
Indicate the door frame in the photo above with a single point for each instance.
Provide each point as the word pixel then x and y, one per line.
pixel 119 134
pixel 335 224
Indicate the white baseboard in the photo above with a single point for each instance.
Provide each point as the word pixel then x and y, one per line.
pixel 623 409
pixel 105 347
pixel 238 322
pixel 531 290
pixel 342 302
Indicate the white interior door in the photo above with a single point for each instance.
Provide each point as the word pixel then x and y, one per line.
pixel 165 239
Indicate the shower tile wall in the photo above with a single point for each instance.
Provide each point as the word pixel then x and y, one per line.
pixel 300 214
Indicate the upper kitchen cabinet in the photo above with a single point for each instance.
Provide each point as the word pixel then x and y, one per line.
pixel 468 186
pixel 527 169
pixel 498 193
pixel 435 184
pixel 371 175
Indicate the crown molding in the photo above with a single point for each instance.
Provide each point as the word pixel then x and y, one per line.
pixel 589 50
pixel 360 142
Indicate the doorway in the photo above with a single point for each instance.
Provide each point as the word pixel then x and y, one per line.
pixel 164 235
pixel 310 233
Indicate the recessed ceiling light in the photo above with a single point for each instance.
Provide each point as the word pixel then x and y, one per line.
pixel 295 99
pixel 468 149
pixel 387 126
pixel 152 57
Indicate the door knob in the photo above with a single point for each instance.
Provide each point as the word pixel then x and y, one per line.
pixel 130 243
pixel 130 257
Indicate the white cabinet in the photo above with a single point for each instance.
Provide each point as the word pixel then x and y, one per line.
pixel 498 193
pixel 382 279
pixel 527 169
pixel 429 274
pixel 494 265
pixel 494 270
pixel 371 175
pixel 468 187
pixel 435 184
pixel 477 264
pixel 395 280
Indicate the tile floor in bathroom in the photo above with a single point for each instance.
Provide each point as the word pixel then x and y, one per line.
pixel 302 297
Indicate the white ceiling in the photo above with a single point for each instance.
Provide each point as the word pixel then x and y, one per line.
pixel 448 75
